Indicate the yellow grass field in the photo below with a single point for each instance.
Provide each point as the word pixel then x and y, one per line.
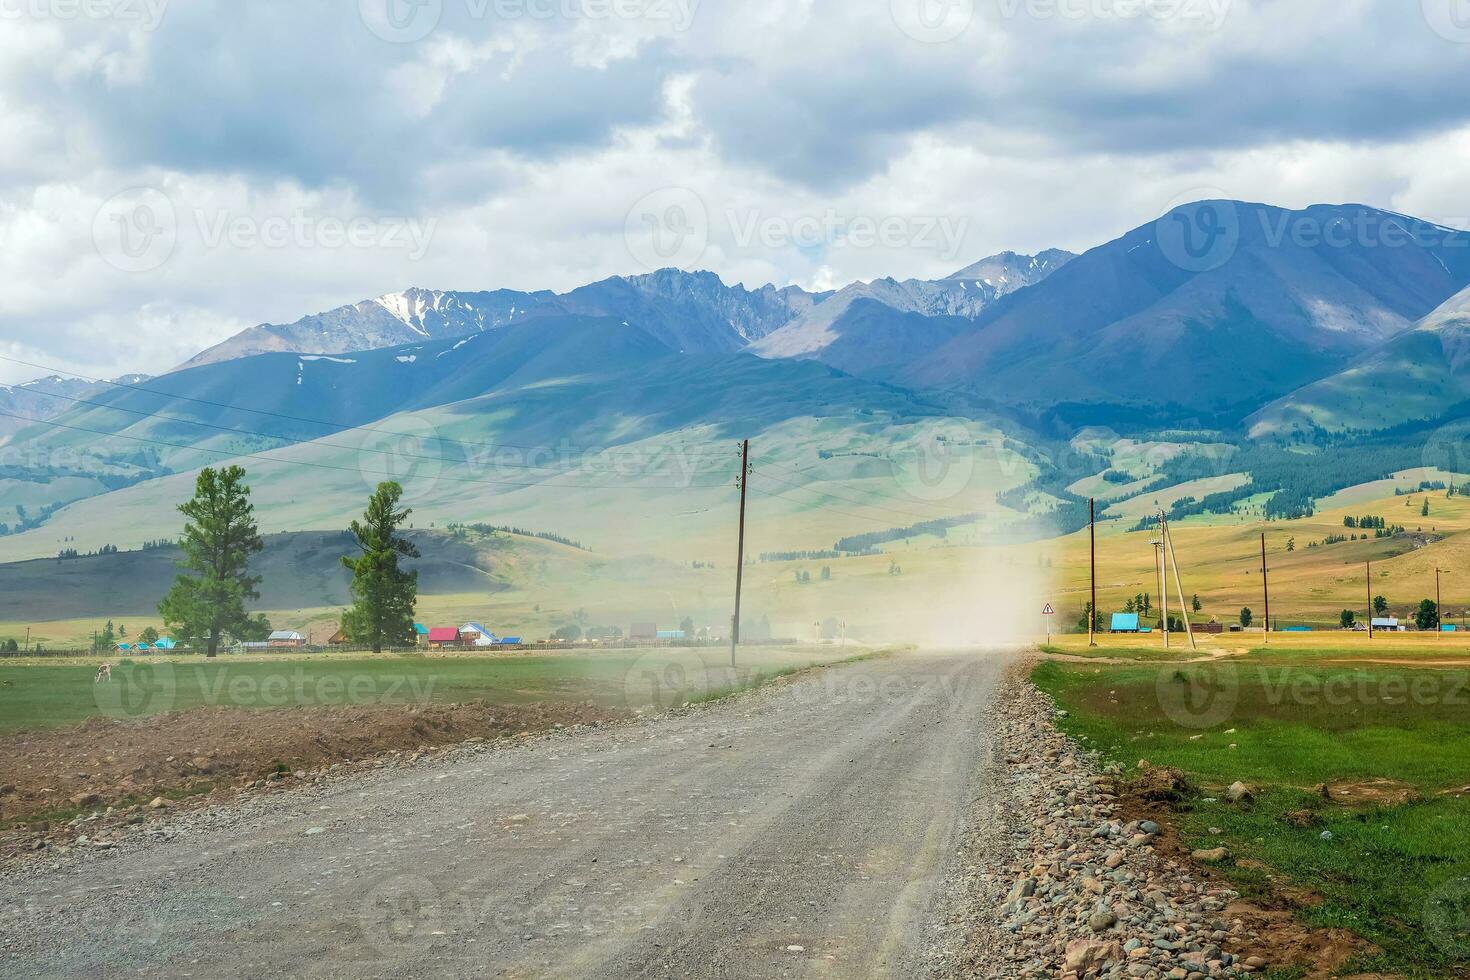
pixel 1309 585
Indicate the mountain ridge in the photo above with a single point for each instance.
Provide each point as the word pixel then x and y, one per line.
pixel 1134 321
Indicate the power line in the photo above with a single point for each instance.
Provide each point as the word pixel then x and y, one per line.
pixel 345 469
pixel 289 441
pixel 340 426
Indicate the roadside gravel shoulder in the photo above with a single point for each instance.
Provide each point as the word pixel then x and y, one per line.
pixel 1060 884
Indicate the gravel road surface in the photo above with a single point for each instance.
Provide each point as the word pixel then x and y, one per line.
pixel 806 830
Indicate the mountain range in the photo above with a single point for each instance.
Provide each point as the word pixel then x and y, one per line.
pixel 1333 318
pixel 48 397
pixel 1300 296
pixel 686 311
pixel 692 311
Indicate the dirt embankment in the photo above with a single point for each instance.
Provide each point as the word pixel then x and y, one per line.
pixel 131 768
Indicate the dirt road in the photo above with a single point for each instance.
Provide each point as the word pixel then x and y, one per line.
pixel 804 830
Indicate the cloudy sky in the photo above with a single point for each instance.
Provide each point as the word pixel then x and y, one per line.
pixel 171 172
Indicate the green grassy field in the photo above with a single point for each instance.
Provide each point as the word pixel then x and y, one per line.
pixel 44 694
pixel 1397 874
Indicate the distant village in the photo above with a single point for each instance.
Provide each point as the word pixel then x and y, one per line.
pixel 469 636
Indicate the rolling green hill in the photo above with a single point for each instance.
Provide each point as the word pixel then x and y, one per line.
pixel 592 429
pixel 1423 373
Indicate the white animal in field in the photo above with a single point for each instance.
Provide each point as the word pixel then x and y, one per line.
pixel 104 673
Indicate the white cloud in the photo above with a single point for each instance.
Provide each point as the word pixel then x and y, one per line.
pixel 517 145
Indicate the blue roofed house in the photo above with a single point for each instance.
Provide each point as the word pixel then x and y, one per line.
pixel 1124 623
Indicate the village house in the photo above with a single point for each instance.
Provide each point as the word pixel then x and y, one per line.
pixel 475 635
pixel 441 637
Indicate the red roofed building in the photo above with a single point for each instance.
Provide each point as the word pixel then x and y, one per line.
pixel 444 636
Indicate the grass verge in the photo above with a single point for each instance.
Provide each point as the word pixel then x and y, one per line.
pixel 1388 857
pixel 40 695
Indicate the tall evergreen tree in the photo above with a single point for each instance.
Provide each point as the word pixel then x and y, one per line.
pixel 383 593
pixel 217 542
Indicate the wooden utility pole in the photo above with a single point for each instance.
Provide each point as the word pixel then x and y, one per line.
pixel 1438 609
pixel 1092 534
pixel 1266 581
pixel 1370 599
pixel 742 480
pixel 1163 582
pixel 1178 585
pixel 28 639
pixel 1159 575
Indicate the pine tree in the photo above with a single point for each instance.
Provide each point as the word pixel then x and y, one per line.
pixel 1427 616
pixel 217 542
pixel 383 594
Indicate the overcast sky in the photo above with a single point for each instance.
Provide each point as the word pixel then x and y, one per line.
pixel 172 172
